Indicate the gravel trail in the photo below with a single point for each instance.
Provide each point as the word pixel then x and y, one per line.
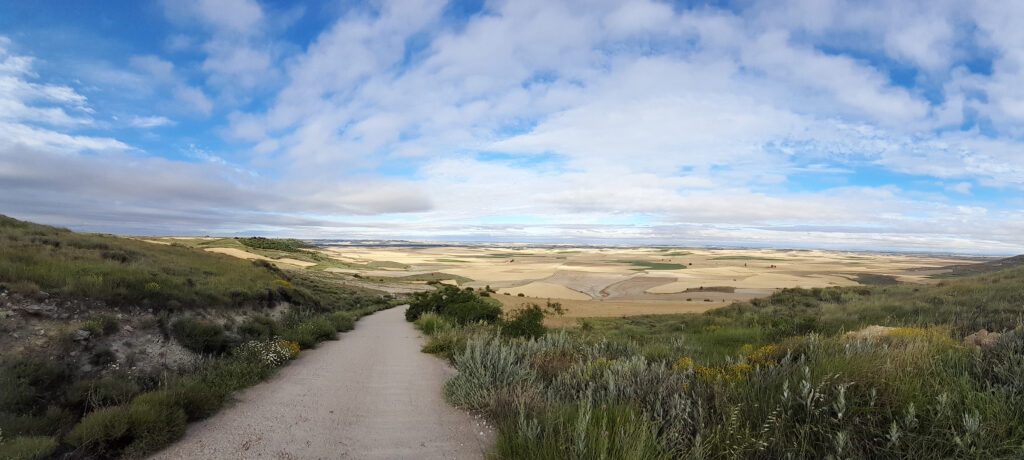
pixel 370 395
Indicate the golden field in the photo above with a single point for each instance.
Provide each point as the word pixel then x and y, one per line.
pixel 600 281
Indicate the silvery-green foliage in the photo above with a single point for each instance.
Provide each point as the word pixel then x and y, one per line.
pixel 486 366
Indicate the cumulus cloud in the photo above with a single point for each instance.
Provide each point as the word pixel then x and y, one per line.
pixel 150 122
pixel 845 123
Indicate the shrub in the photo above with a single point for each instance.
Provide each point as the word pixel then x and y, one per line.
pixel 343 322
pixel 27 448
pixel 27 382
pixel 259 327
pixel 51 422
pixel 311 332
pixel 485 367
pixel 278 244
pixel 197 399
pixel 462 306
pixel 474 311
pixel 102 431
pixel 446 343
pixel 155 420
pixel 199 336
pixel 432 323
pixel 107 391
pixel 525 322
pixel 529 321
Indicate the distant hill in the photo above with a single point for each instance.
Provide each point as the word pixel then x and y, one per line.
pixel 985 267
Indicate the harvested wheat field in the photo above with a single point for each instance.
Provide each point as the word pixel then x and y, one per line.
pixel 608 281
pixel 621 281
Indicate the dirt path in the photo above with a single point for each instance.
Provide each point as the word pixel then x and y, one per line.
pixel 372 394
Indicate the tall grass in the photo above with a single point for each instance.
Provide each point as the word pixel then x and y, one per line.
pixel 774 378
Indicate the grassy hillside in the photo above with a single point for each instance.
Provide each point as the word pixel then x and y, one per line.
pixel 112 345
pixel 899 371
pixel 122 271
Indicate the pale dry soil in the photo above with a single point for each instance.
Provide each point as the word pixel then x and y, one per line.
pixel 594 281
pixel 370 395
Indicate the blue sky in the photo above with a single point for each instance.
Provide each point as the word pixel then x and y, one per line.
pixel 873 125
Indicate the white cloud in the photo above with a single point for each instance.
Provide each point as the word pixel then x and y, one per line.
pixel 602 119
pixel 236 16
pixel 25 104
pixel 150 122
pixel 193 99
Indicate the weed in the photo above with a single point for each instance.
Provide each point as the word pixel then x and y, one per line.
pixel 27 447
pixel 199 336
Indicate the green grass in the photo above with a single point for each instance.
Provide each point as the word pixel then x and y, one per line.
pixel 47 402
pixel 644 265
pixel 123 271
pixel 772 378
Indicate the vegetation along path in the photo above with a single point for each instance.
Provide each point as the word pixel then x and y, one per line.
pixel 371 394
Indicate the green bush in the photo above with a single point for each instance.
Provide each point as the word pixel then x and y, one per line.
pixel 199 336
pixel 104 431
pixel 104 325
pixel 446 343
pixel 474 311
pixel 529 321
pixel 27 383
pixel 278 244
pixel 525 322
pixel 52 421
pixel 103 392
pixel 198 399
pixel 343 322
pixel 461 305
pixel 257 328
pixel 155 420
pixel 311 332
pixel 486 367
pixel 152 420
pixel 27 448
pixel 432 323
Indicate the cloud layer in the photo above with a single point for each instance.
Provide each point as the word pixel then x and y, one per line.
pixel 864 125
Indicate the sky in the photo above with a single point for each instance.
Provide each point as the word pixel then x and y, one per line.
pixel 869 125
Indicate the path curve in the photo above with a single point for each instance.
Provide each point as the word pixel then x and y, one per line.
pixel 370 395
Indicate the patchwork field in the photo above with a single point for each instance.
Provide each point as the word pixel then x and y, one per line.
pixel 601 281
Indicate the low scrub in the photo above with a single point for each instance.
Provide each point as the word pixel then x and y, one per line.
pixel 432 324
pixel 111 408
pixel 27 447
pixel 774 378
pixel 199 336
pixel 528 321
pixel 461 306
pixel 277 244
pixel 310 332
